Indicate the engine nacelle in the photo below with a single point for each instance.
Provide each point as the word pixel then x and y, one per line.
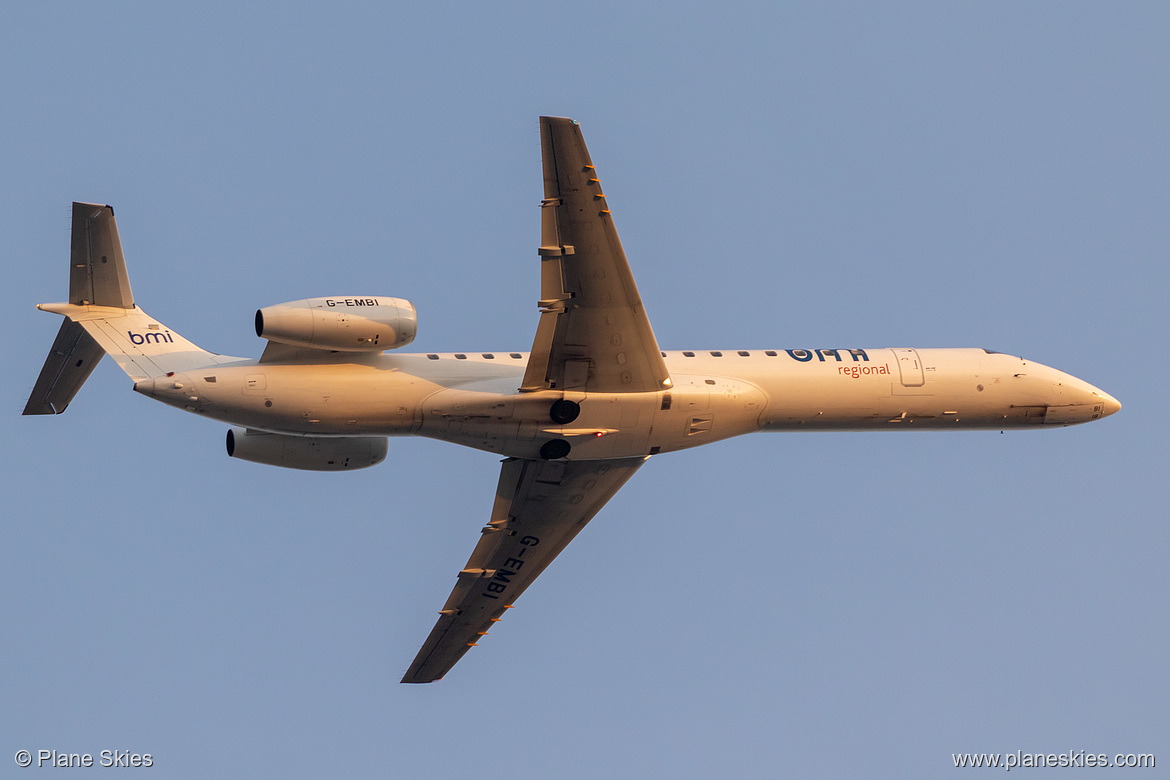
pixel 312 453
pixel 344 324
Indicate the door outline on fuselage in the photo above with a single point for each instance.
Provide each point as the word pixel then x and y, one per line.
pixel 909 367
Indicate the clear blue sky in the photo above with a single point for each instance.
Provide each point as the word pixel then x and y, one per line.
pixel 782 175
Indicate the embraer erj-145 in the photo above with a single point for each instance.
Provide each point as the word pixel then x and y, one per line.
pixel 574 418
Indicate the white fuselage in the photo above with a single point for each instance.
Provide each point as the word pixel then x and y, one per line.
pixel 473 399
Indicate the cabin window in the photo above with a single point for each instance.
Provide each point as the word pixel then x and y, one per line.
pixel 688 354
pixel 716 354
pixel 770 352
pixel 488 356
pixel 516 355
pixel 709 381
pixel 742 353
pixel 432 357
pixel 460 356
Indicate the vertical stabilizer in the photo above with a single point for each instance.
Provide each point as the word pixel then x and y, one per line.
pixel 97 270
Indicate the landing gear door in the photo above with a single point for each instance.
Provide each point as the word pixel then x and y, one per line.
pixel 909 367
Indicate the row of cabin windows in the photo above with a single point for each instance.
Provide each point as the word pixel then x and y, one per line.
pixel 517 355
pixel 741 353
pixel 485 355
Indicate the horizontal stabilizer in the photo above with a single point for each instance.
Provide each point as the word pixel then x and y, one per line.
pixel 73 356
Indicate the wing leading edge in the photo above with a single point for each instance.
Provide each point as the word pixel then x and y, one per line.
pixel 540 506
pixel 593 333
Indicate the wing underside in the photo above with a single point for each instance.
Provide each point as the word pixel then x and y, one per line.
pixel 540 506
pixel 593 337
pixel 593 333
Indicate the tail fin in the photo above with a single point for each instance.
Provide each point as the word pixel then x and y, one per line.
pixel 97 270
pixel 101 317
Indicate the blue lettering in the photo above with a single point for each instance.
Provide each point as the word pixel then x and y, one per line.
pixel 138 339
pixel 806 355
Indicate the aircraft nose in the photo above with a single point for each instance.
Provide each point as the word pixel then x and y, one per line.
pixel 1109 404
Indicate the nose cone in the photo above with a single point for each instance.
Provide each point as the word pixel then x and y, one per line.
pixel 1109 404
pixel 1073 401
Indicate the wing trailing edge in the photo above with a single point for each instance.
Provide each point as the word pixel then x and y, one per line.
pixel 540 507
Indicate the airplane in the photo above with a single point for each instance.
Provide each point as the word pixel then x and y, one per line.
pixel 573 418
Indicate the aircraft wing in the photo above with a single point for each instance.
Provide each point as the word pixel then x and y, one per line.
pixel 540 506
pixel 593 333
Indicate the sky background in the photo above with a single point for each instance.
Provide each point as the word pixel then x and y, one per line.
pixel 794 175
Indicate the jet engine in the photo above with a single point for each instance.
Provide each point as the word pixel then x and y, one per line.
pixel 312 453
pixel 344 324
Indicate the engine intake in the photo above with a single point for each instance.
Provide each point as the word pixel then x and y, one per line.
pixel 312 453
pixel 343 324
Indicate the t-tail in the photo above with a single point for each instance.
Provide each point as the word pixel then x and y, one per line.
pixel 101 318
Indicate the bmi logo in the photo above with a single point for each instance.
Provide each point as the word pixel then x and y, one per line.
pixel 138 339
